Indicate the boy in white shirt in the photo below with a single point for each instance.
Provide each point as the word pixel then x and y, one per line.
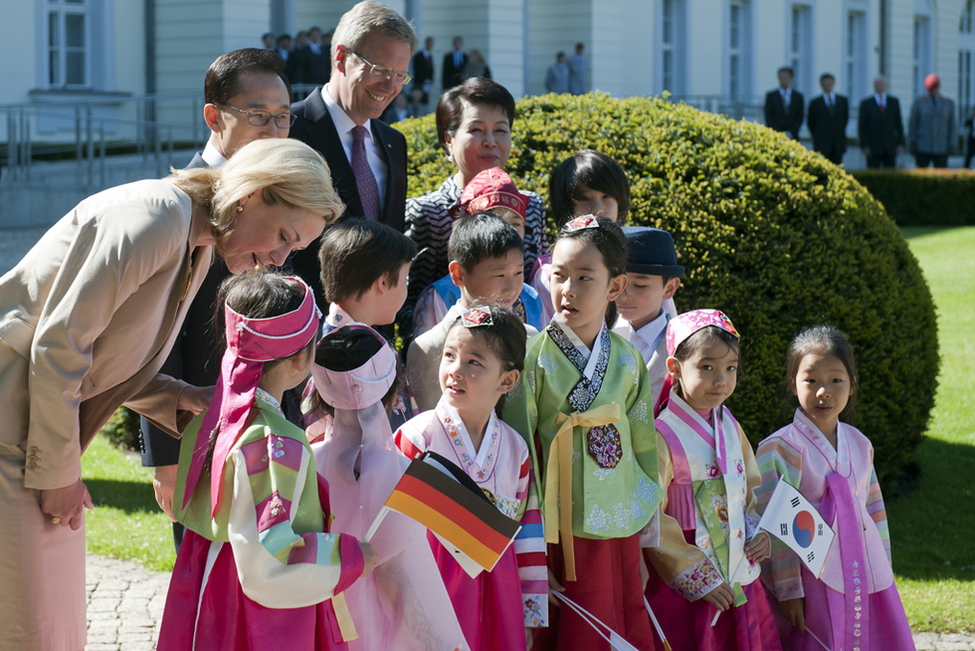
pixel 653 277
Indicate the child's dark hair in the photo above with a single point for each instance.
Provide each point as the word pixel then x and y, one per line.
pixel 355 252
pixel 825 340
pixel 608 238
pixel 479 237
pixel 594 170
pixel 506 338
pixel 705 337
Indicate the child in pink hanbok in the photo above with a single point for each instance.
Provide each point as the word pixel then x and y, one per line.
pixel 854 604
pixel 482 359
pixel 258 568
pixel 705 590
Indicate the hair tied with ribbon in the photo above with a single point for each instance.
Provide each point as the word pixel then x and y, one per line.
pixel 477 317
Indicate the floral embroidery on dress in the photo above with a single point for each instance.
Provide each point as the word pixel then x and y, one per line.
pixel 531 379
pixel 621 515
pixel 602 474
pixel 640 412
pixel 636 512
pixel 547 362
pixel 712 471
pixel 533 610
pixel 697 580
pixel 604 445
pixel 645 492
pixel 504 504
pixel 627 360
pixel 598 520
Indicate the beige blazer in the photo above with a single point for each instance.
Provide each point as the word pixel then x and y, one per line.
pixel 87 319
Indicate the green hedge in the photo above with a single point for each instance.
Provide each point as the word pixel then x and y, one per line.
pixel 123 429
pixel 774 235
pixel 923 197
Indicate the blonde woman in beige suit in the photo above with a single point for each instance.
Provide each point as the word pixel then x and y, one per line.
pixel 86 320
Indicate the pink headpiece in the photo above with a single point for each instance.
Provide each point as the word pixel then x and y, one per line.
pixel 250 343
pixel 679 329
pixel 360 387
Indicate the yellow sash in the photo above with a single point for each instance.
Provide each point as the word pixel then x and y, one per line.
pixel 558 478
pixel 344 618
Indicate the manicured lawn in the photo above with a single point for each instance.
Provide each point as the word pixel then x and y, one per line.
pixel 931 528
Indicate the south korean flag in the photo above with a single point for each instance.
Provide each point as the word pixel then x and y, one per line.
pixel 792 519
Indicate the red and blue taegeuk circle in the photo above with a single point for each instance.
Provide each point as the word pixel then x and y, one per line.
pixel 804 528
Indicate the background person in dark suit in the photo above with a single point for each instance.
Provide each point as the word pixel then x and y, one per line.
pixel 316 58
pixel 880 128
pixel 453 65
pixel 369 69
pixel 242 90
pixel 828 115
pixel 423 70
pixel 784 106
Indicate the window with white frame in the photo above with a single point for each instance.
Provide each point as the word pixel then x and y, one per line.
pixel 800 46
pixel 670 49
pixel 856 53
pixel 922 43
pixel 68 43
pixel 738 50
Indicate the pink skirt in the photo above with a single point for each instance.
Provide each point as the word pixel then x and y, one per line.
pixel 888 628
pixel 608 586
pixel 223 618
pixel 687 624
pixel 488 607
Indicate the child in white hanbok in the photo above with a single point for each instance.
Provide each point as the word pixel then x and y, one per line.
pixel 854 604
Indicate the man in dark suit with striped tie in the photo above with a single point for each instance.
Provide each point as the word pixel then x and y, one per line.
pixel 880 127
pixel 828 115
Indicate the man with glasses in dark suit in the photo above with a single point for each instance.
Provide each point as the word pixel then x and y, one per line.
pixel 247 98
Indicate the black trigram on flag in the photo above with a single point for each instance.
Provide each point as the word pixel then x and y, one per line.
pixel 795 502
pixel 785 529
pixel 819 532
pixel 810 556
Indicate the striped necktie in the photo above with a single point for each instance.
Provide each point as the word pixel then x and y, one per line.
pixel 364 180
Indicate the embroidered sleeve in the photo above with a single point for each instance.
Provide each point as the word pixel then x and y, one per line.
pixel 278 566
pixel 697 580
pixel 782 571
pixel 877 510
pixel 530 555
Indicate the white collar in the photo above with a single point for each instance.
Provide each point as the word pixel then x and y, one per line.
pixel 343 123
pixel 465 436
pixel 337 317
pixel 652 330
pixel 586 352
pixel 880 97
pixel 212 156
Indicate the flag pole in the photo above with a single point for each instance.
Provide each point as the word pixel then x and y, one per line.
pixel 383 512
pixel 656 624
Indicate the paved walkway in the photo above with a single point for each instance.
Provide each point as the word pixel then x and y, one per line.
pixel 125 600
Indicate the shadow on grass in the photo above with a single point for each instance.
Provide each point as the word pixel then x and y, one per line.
pixel 128 496
pixel 930 528
pixel 911 232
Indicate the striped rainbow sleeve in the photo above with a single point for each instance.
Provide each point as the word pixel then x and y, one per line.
pixel 530 554
pixel 782 571
pixel 877 510
pixel 279 566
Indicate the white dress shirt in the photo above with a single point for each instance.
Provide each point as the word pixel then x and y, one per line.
pixel 344 125
pixel 213 157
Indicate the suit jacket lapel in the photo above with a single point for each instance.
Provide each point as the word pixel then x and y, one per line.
pixel 325 138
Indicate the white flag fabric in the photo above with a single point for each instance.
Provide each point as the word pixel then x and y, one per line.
pixel 792 519
pixel 615 640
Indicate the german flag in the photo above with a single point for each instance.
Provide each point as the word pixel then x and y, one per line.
pixel 444 499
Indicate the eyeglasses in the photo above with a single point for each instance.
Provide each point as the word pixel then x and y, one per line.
pixel 399 76
pixel 261 118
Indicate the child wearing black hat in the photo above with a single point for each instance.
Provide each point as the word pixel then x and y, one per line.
pixel 653 277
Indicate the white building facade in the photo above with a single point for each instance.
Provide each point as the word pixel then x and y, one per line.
pixel 714 53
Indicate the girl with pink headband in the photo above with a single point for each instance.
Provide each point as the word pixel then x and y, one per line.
pixel 710 545
pixel 256 568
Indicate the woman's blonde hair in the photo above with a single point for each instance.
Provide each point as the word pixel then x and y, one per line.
pixel 285 171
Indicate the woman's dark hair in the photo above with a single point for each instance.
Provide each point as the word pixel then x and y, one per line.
pixel 705 337
pixel 506 338
pixel 825 340
pixel 594 170
pixel 479 91
pixel 609 240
